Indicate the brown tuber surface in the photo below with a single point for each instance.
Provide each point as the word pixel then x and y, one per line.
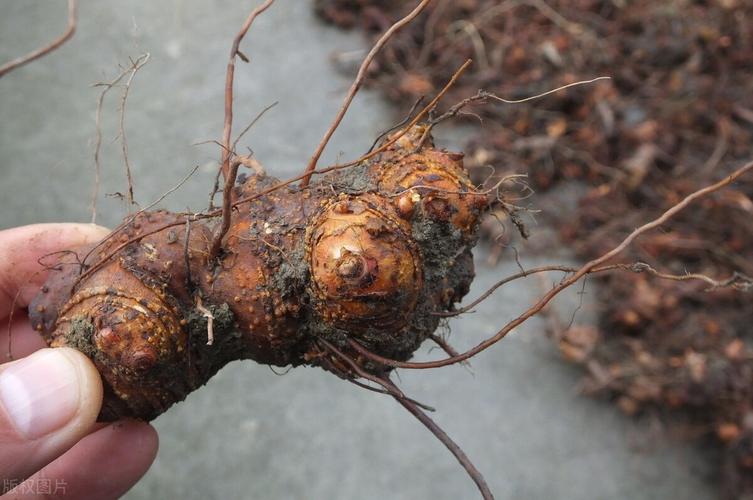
pixel 365 254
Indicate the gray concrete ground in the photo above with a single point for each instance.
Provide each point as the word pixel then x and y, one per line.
pixel 305 435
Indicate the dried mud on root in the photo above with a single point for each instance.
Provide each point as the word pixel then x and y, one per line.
pixel 676 115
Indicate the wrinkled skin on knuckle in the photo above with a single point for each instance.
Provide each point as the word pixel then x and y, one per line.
pixel 364 267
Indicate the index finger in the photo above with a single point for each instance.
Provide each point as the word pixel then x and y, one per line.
pixel 21 248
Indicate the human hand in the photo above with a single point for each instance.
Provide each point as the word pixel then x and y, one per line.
pixel 50 443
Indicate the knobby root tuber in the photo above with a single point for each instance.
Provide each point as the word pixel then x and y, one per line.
pixel 369 254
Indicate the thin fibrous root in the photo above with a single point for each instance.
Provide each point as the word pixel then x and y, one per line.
pixel 230 170
pixel 98 134
pixel 446 440
pixel 230 74
pixel 413 408
pixel 360 372
pixel 227 200
pixel 483 96
pixel 42 51
pixel 356 85
pixel 136 64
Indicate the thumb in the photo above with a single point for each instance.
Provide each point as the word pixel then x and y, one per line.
pixel 48 402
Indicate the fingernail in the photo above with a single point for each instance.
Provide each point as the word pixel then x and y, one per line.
pixel 40 392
